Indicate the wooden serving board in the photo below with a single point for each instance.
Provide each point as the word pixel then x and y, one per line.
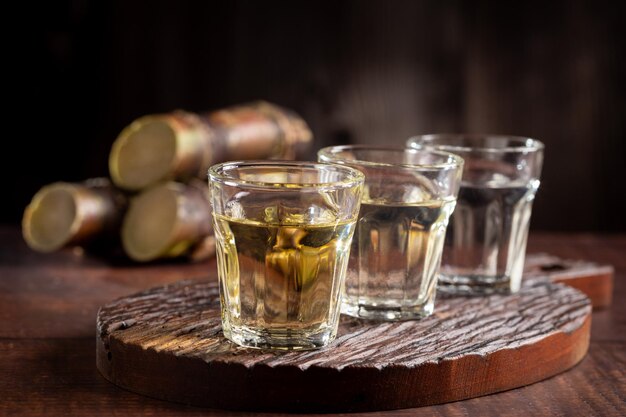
pixel 167 343
pixel 596 281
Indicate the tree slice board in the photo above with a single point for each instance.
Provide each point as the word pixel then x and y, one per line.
pixel 167 343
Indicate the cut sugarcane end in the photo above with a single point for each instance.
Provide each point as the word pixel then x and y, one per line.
pixel 150 224
pixel 144 153
pixel 50 220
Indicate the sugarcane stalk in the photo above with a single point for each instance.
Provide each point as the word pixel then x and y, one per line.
pixel 68 214
pixel 182 145
pixel 169 220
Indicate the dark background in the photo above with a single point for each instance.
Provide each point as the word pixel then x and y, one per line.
pixel 357 71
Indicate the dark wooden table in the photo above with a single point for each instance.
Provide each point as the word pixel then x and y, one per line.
pixel 48 305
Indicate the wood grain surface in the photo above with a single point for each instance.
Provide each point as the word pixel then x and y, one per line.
pixel 167 343
pixel 48 305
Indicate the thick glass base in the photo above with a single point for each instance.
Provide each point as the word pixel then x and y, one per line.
pixel 476 285
pixel 386 313
pixel 280 339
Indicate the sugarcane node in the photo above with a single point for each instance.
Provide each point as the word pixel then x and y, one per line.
pixel 182 145
pixel 65 214
pixel 167 220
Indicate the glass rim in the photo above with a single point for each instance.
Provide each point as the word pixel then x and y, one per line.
pixel 454 161
pixel 217 173
pixel 522 143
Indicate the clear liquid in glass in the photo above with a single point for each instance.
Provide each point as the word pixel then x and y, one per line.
pixel 485 242
pixel 395 255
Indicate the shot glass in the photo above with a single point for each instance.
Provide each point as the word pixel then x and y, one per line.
pixel 396 251
pixel 486 240
pixel 283 233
